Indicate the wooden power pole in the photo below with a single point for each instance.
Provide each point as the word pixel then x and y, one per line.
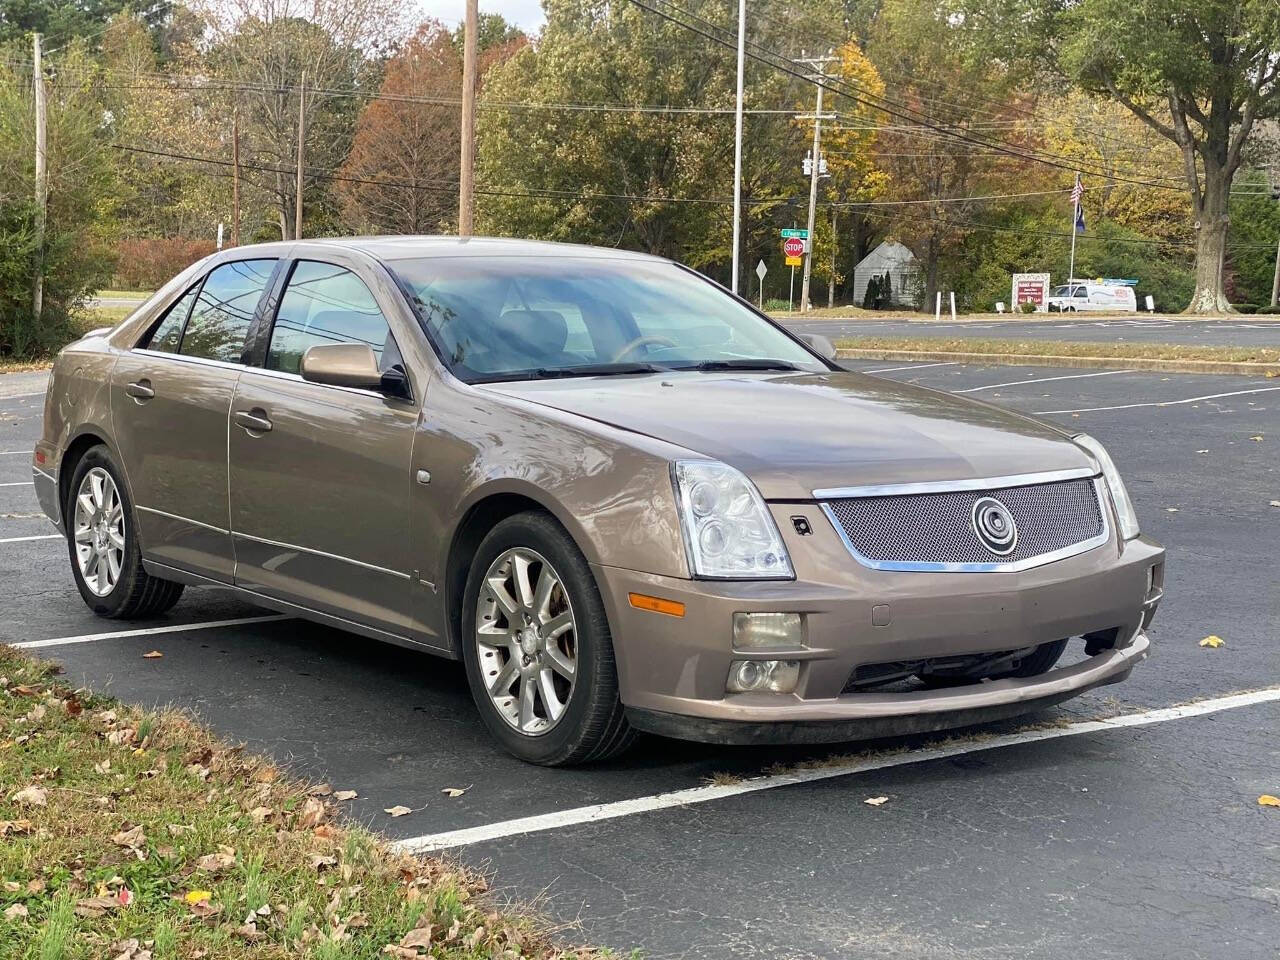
pixel 466 173
pixel 302 139
pixel 815 170
pixel 42 186
pixel 235 177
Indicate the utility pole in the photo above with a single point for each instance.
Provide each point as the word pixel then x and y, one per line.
pixel 737 145
pixel 302 138
pixel 1275 280
pixel 466 172
pixel 818 63
pixel 235 177
pixel 42 186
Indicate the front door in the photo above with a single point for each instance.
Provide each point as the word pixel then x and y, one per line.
pixel 320 475
pixel 170 397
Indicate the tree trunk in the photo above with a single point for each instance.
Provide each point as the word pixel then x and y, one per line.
pixel 1211 243
pixel 930 274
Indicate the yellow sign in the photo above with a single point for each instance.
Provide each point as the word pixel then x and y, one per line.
pixel 794 261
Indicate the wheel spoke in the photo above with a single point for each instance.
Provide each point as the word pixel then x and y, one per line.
pixel 113 566
pixel 84 504
pixel 84 534
pixel 501 684
pixel 498 591
pixel 547 691
pixel 542 596
pixel 520 577
pixel 91 565
pixel 557 626
pixel 527 690
pixel 561 663
pixel 116 537
pixel 95 488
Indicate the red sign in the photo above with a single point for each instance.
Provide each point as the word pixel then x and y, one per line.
pixel 793 247
pixel 1029 290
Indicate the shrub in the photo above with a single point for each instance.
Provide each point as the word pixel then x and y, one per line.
pixel 146 262
pixel 1027 306
pixel 1245 307
pixel 1269 309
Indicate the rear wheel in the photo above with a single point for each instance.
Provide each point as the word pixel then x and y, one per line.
pixel 101 538
pixel 537 647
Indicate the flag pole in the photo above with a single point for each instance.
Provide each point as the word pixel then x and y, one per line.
pixel 1075 219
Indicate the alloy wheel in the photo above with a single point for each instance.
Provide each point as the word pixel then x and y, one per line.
pixel 526 640
pixel 99 531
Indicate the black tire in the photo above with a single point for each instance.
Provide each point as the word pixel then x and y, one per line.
pixel 594 725
pixel 136 594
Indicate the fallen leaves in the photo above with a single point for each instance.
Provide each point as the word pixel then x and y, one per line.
pixel 345 795
pixel 1267 800
pixel 218 862
pixel 131 838
pixel 1257 439
pixel 311 815
pixel 21 827
pixel 875 801
pixel 399 810
pixel 91 907
pixel 16 911
pixel 32 796
pixel 456 791
pixel 152 655
pixel 1213 642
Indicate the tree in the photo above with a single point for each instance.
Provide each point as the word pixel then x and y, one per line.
pixel 404 156
pixel 1201 75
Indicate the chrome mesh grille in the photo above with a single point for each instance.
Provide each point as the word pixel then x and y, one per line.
pixel 937 527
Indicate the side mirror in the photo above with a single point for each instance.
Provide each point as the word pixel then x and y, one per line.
pixel 342 365
pixel 819 345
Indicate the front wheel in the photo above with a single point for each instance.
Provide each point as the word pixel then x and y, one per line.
pixel 537 647
pixel 102 539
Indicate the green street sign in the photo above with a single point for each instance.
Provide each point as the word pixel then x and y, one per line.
pixel 795 232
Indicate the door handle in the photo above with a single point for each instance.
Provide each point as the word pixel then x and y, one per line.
pixel 255 420
pixel 140 389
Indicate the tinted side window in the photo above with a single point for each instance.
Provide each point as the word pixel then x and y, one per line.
pixel 224 310
pixel 168 333
pixel 324 303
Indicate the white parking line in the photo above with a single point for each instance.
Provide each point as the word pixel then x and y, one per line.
pixel 145 631
pixel 680 798
pixel 1017 383
pixel 13 453
pixel 43 536
pixel 19 483
pixel 915 366
pixel 1161 403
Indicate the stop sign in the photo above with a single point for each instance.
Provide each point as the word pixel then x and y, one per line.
pixel 793 247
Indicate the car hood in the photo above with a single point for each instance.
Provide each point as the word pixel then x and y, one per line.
pixel 793 433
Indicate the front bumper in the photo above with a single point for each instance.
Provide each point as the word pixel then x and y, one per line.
pixel 672 671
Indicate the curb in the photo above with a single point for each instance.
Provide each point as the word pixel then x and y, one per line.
pixel 1238 367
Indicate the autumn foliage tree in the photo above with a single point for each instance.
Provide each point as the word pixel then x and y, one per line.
pixel 401 174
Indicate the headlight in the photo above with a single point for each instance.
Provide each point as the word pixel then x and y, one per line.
pixel 728 531
pixel 1119 495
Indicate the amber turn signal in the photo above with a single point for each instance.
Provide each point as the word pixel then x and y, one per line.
pixel 641 601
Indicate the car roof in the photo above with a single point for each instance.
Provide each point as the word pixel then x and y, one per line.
pixel 406 247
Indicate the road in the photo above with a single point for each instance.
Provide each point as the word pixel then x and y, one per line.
pixel 1114 842
pixel 1242 332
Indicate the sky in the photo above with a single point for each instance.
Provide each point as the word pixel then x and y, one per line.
pixel 525 14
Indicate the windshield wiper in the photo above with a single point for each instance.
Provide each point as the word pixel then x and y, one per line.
pixel 742 363
pixel 581 370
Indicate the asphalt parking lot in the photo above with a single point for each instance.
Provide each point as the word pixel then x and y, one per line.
pixel 1244 331
pixel 1140 838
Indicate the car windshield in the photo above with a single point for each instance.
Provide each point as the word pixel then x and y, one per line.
pixel 510 318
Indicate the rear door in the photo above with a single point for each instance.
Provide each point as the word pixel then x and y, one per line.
pixel 320 475
pixel 170 396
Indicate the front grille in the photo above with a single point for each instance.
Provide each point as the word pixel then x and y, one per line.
pixel 936 528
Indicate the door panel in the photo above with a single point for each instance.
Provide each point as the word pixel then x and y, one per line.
pixel 320 483
pixel 173 445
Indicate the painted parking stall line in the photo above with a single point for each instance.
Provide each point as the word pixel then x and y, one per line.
pixel 42 536
pixel 1159 403
pixel 17 483
pixel 679 798
pixel 148 631
pixel 915 366
pixel 1018 383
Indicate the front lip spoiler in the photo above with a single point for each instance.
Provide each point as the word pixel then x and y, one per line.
pixel 873 716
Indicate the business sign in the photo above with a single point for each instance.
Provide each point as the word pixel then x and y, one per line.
pixel 793 246
pixel 1030 287
pixel 795 232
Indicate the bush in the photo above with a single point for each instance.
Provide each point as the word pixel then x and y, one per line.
pixel 1269 309
pixel 774 305
pixel 146 262
pixel 1027 306
pixel 1245 307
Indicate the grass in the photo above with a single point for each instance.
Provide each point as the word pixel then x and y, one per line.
pixel 1065 348
pixel 135 834
pixel 89 319
pixel 124 294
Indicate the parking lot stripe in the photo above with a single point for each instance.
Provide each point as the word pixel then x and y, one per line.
pixel 43 536
pixel 914 366
pixel 1160 403
pixel 1018 383
pixel 145 631
pixel 13 453
pixel 18 483
pixel 679 798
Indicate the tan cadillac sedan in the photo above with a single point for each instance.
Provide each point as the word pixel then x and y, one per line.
pixel 626 500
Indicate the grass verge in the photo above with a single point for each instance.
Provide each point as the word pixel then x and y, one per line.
pixel 123 294
pixel 1066 348
pixel 139 835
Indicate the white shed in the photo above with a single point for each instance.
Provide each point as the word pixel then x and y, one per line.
pixel 902 267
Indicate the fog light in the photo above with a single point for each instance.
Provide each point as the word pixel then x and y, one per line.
pixel 768 631
pixel 769 676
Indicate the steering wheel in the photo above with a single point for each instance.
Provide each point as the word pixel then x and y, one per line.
pixel 639 342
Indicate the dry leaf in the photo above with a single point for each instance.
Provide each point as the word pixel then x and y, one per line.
pixel 875 801
pixel 400 953
pixel 1267 800
pixel 216 862
pixel 421 937
pixel 152 655
pixel 397 811
pixel 21 826
pixel 1212 641
pixel 73 706
pixel 345 795
pixel 131 837
pixel 311 814
pixel 15 911
pixel 325 832
pixel 103 767
pixel 320 790
pixel 456 791
pixel 32 796
pixel 261 814
pixel 1275 503
pixel 95 906
pixel 205 910
pixel 320 861
pixel 1257 439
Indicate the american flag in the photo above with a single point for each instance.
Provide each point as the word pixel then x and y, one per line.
pixel 1077 192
